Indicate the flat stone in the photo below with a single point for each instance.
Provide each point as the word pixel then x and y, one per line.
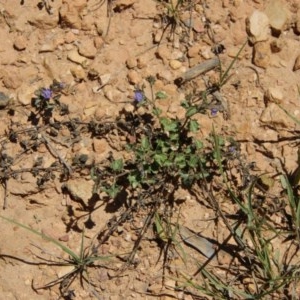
pixel 80 189
pixel 75 57
pixel 278 15
pixel 25 93
pixel 87 48
pixel 11 79
pixel 273 115
pixel 26 187
pixel 49 47
pixel 257 26
pixel 43 20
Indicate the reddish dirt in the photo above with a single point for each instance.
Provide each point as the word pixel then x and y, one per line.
pixel 82 44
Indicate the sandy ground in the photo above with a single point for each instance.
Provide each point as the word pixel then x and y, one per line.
pixel 102 51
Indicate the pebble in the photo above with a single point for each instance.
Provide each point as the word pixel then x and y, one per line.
pixel 25 93
pixel 101 148
pixel 74 56
pixel 87 49
pixel 261 54
pixel 176 54
pixel 158 36
pixel 198 25
pixel 206 52
pixel 276 46
pixel 133 77
pixel 12 79
pixel 257 26
pixel 112 94
pixel 274 94
pixel 277 13
pixel 20 43
pixel 165 75
pixel 44 21
pixel 163 53
pixel 142 62
pixel 4 100
pixel 297 63
pixel 80 189
pixel 129 108
pixel 78 73
pixel 70 37
pixel 47 48
pixel 98 42
pixel 131 63
pixel 104 79
pixel 175 64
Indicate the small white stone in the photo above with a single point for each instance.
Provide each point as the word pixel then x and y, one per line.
pixel 258 26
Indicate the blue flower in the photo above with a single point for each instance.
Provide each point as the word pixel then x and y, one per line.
pixel 46 93
pixel 214 112
pixel 138 95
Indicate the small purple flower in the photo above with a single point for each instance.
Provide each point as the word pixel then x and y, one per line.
pixel 138 96
pixel 46 93
pixel 214 112
pixel 232 149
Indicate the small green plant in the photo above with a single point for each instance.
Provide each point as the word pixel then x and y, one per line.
pixel 171 16
pixel 81 263
pixel 44 102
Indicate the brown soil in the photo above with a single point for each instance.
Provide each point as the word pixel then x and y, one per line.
pixel 103 51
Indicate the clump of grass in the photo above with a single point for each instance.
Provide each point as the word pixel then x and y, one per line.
pixel 86 260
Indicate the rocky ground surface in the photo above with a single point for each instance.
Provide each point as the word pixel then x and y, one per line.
pixel 102 52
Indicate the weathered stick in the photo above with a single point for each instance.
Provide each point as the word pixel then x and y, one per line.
pixel 198 70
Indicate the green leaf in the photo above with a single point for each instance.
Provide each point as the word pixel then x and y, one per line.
pixel 180 161
pixel 160 159
pixel 145 143
pixel 161 95
pixel 199 144
pixel 174 136
pixel 191 111
pixel 169 125
pixel 194 126
pixel 133 180
pixel 157 111
pixel 112 191
pixel 117 165
pixel 193 161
